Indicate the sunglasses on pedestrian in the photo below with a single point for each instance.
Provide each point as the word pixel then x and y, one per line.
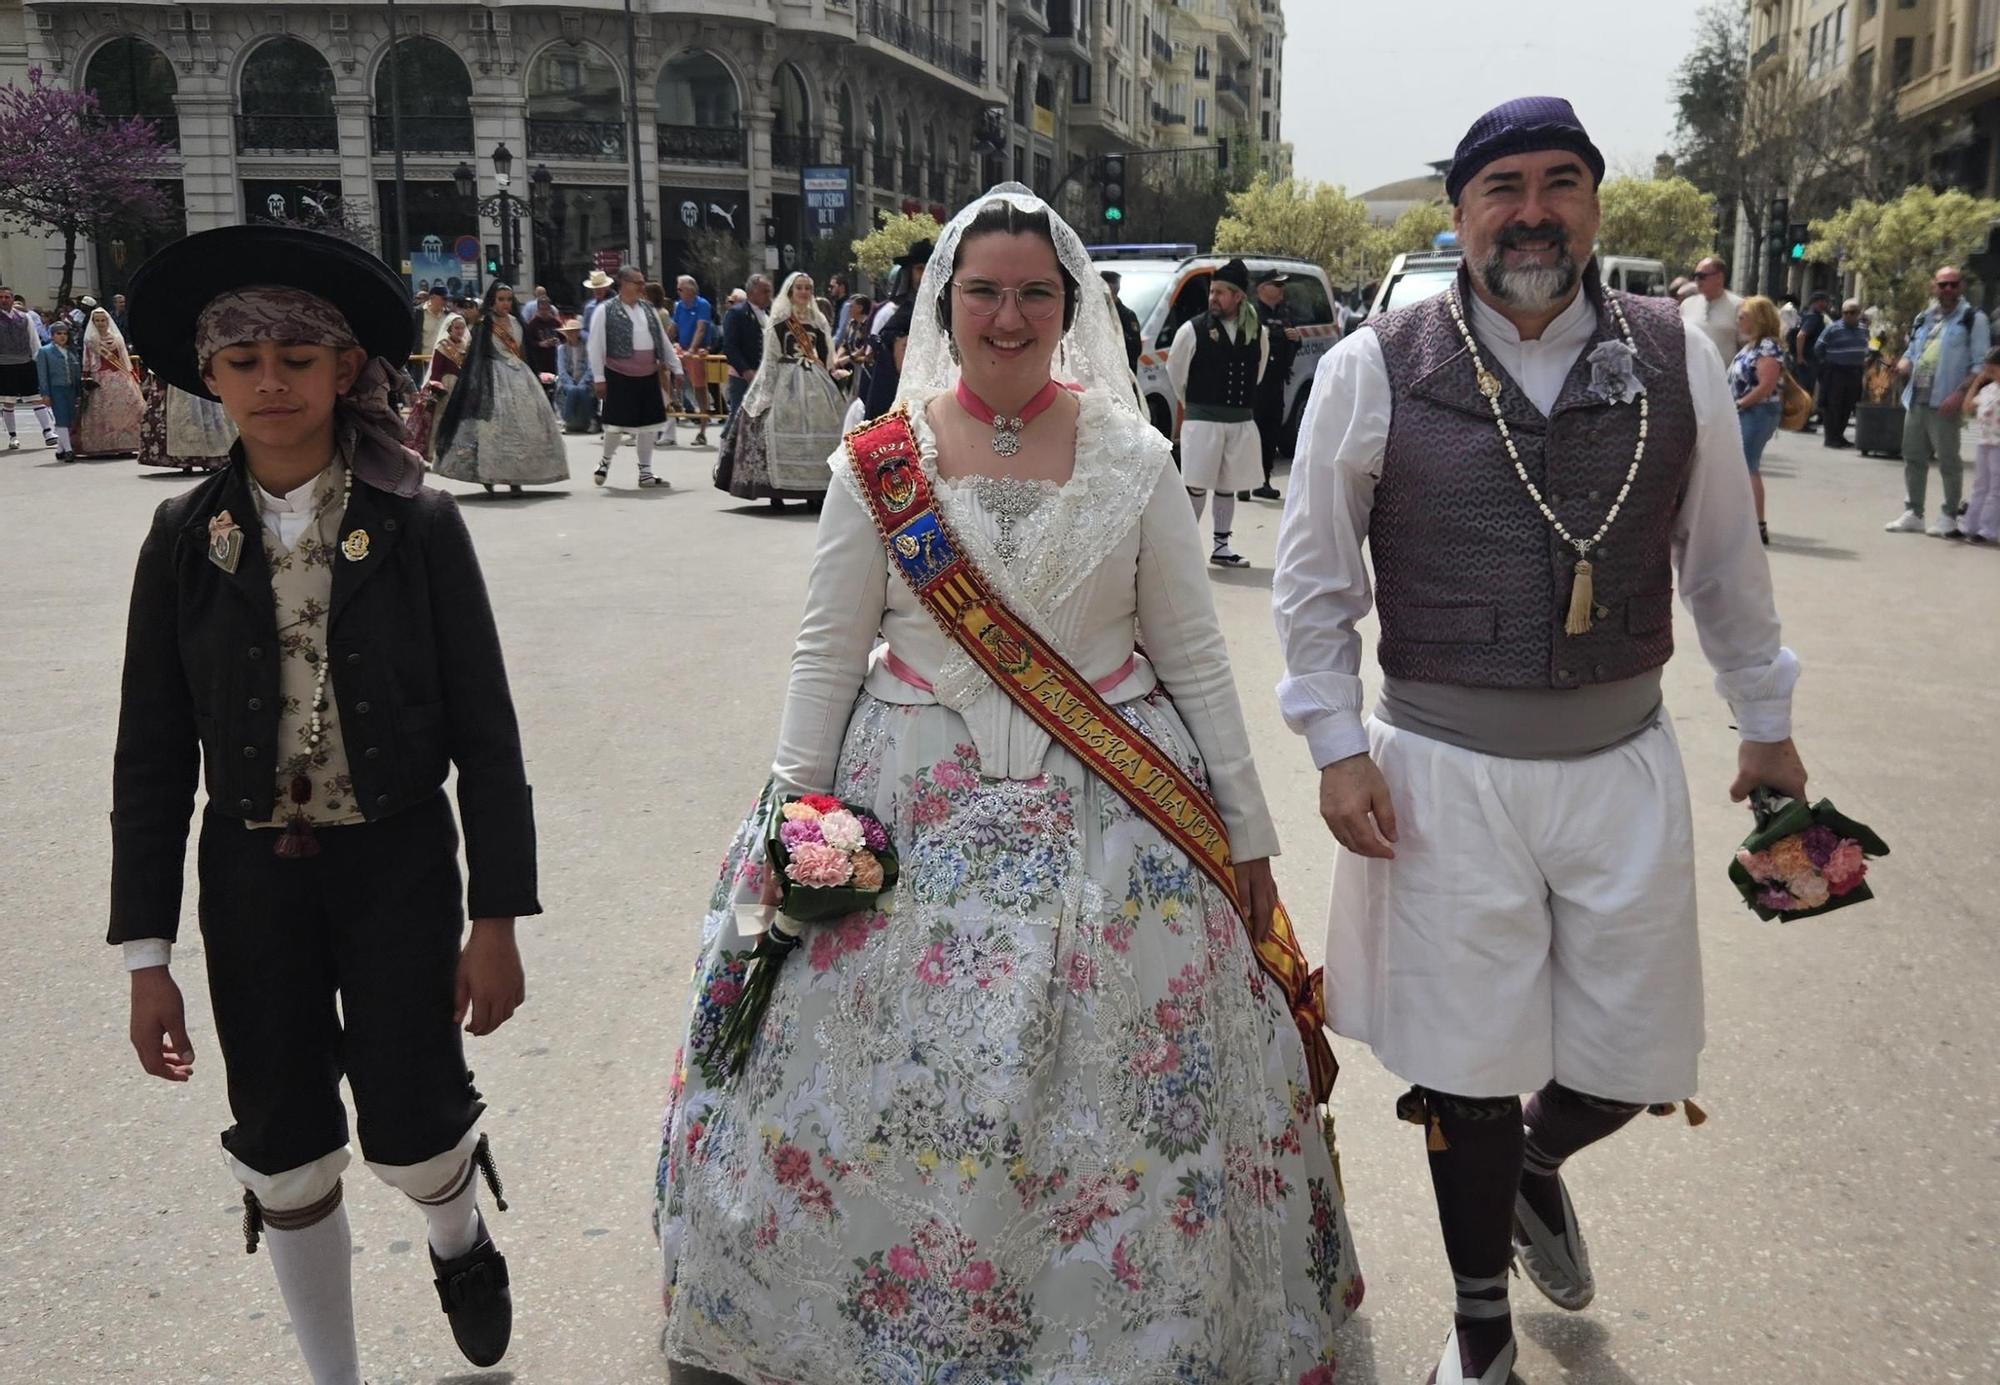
pixel 1038 301
pixel 1948 283
pixel 1706 273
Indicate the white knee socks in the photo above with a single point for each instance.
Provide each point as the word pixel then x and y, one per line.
pixel 446 1187
pixel 62 439
pixel 1225 512
pixel 46 419
pixel 314 1264
pixel 645 443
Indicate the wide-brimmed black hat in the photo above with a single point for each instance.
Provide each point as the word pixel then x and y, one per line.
pixel 1272 276
pixel 1236 274
pixel 919 253
pixel 167 295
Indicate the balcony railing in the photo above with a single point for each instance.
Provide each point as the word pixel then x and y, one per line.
pixel 287 134
pixel 423 134
pixel 1765 53
pixel 1163 116
pixel 876 19
pixel 1163 50
pixel 577 139
pixel 1226 85
pixel 794 151
pixel 885 170
pixel 701 144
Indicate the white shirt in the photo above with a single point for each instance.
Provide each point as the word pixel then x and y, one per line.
pixel 287 516
pixel 1322 585
pixel 1180 356
pixel 1716 321
pixel 636 311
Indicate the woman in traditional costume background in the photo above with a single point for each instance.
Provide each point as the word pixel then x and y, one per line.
pixel 1043 1117
pixel 446 359
pixel 183 430
pixel 112 406
pixel 776 448
pixel 497 427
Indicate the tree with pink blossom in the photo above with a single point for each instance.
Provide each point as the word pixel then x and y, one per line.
pixel 67 168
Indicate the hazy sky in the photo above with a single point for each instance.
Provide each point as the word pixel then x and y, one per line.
pixel 1376 89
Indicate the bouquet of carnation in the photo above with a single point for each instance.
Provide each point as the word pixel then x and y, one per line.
pixel 1803 860
pixel 830 860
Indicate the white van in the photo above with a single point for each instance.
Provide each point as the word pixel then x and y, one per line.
pixel 1423 274
pixel 1165 285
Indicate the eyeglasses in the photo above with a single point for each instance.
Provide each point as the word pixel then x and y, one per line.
pixel 1948 283
pixel 1706 273
pixel 1037 302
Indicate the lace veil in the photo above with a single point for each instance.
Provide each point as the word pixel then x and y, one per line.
pixel 758 399
pixel 1092 352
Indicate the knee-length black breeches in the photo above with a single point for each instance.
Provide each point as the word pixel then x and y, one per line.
pixel 373 922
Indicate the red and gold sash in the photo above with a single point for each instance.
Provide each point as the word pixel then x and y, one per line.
pixel 1063 702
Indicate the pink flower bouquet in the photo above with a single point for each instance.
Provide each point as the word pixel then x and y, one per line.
pixel 1803 860
pixel 832 860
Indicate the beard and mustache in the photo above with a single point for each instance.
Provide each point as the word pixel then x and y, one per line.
pixel 1534 288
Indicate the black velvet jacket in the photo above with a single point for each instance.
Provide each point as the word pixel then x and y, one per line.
pixel 417 675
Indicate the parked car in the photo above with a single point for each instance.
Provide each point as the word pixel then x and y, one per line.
pixel 1420 275
pixel 1165 285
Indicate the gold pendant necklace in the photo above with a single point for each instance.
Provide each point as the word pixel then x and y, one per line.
pixel 1582 592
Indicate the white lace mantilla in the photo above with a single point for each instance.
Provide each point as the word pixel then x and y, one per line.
pixel 1057 542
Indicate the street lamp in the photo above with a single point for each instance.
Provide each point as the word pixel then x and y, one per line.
pixel 503 207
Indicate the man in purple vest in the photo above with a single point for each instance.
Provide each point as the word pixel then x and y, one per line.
pixel 1530 460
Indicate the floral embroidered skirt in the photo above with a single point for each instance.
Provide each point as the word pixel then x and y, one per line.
pixel 1042 1120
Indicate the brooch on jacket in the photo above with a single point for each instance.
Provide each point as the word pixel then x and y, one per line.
pixel 1614 378
pixel 225 542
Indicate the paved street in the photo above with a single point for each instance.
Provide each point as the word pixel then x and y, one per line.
pixel 1837 1220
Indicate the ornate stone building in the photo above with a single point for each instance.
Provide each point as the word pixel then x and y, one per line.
pixel 709 109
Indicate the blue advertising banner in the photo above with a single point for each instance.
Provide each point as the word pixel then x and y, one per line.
pixel 829 198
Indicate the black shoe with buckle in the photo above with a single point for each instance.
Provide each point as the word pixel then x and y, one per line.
pixel 473 1290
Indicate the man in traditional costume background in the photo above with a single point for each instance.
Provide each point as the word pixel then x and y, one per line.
pixel 1530 460
pixel 20 339
pixel 1216 362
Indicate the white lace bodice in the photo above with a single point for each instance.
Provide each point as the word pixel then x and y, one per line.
pixel 1105 561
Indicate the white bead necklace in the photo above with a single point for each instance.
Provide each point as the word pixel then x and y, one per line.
pixel 1581 596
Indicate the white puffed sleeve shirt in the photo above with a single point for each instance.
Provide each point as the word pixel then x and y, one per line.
pixel 1322 585
pixel 1108 563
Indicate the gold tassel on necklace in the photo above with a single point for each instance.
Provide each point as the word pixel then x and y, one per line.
pixel 1581 597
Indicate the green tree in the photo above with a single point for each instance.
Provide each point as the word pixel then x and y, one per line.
pixel 1895 246
pixel 1667 219
pixel 1315 221
pixel 877 251
pixel 1416 229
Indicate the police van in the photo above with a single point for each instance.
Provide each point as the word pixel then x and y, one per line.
pixel 1165 285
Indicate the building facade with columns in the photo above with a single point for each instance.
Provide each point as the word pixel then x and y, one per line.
pixel 291 109
pixel 282 107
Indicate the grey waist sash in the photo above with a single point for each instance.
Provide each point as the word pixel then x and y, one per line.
pixel 1524 723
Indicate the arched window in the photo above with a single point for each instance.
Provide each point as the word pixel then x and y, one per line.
pixel 878 142
pixel 285 101
pixel 1201 60
pixel 701 120
pixel 576 109
pixel 792 142
pixel 428 82
pixel 131 77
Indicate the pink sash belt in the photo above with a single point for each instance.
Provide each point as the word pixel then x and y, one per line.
pixel 906 674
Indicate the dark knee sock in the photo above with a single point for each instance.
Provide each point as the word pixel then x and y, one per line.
pixel 1474 1176
pixel 1559 1123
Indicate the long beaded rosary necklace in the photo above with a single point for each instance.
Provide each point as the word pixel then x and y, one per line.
pixel 1581 594
pixel 298 840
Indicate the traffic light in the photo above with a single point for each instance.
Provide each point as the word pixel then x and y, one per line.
pixel 1111 187
pixel 1795 240
pixel 493 260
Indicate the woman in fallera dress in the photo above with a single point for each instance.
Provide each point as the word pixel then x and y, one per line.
pixel 496 426
pixel 776 447
pixel 1039 1116
pixel 112 407
pixel 420 428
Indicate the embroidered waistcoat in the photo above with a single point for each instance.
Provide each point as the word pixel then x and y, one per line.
pixel 1222 377
pixel 302 594
pixel 1472 583
pixel 618 332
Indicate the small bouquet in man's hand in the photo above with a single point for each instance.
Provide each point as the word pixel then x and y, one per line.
pixel 1803 860
pixel 829 860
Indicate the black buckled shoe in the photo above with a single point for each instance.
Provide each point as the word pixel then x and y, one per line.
pixel 473 1291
